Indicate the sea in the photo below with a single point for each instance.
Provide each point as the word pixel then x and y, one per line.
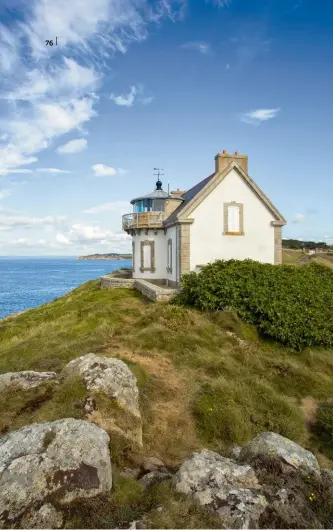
pixel 27 282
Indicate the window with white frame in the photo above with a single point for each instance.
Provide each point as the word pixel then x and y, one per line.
pixel 169 256
pixel 233 219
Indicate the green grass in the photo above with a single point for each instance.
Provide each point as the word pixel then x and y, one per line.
pixel 292 256
pixel 205 380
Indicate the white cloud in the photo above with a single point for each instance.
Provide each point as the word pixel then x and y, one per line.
pixel 117 206
pixel 4 193
pixel 125 100
pixel 9 56
pixel 74 146
pixel 91 234
pixel 63 240
pixel 14 171
pixel 201 47
pixel 11 222
pixel 101 170
pixel 52 170
pixel 135 95
pixel 56 81
pixel 219 3
pixel 257 116
pixel 147 100
pixel 299 218
pixel 52 92
pixel 49 121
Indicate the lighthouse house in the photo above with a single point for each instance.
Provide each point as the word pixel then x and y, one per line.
pixel 225 216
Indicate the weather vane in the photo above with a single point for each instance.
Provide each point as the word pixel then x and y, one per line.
pixel 158 174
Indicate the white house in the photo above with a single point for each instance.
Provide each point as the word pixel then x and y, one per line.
pixel 225 216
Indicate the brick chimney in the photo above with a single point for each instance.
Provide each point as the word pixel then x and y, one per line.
pixel 222 160
pixel 177 192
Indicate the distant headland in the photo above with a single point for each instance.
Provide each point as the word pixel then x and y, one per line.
pixel 107 256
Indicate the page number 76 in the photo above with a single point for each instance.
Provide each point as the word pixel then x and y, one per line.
pixel 50 42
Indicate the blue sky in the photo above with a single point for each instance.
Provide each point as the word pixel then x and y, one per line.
pixel 138 84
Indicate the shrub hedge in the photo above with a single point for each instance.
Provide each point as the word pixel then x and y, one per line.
pixel 293 305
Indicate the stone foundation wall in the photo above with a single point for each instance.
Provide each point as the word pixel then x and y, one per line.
pixel 151 291
pixel 154 292
pixel 107 282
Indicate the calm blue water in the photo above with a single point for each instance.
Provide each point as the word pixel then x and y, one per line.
pixel 30 282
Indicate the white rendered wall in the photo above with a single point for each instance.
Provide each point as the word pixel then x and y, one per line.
pixel 160 255
pixel 207 242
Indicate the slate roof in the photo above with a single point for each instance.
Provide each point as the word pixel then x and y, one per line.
pixel 156 194
pixel 188 196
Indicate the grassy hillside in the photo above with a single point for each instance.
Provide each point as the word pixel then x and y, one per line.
pixel 294 257
pixel 290 256
pixel 205 381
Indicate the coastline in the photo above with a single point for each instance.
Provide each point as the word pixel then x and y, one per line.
pixel 105 257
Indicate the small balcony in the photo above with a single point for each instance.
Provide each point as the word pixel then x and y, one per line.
pixel 143 220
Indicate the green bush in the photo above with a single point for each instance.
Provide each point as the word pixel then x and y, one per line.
pixel 291 304
pixel 323 427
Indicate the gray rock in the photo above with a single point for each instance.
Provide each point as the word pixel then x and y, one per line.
pixel 228 489
pixel 112 378
pixel 289 453
pixel 89 405
pixel 108 375
pixel 26 380
pixel 130 473
pixel 327 478
pixel 67 458
pixel 140 525
pixel 153 477
pixel 151 463
pixel 46 517
pixel 234 452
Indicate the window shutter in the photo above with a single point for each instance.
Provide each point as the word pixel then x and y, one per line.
pixel 146 256
pixel 233 218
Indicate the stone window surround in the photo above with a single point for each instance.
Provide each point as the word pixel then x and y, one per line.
pixel 225 218
pixel 169 266
pixel 152 254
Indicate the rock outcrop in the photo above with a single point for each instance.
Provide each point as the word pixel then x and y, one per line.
pixel 230 490
pixel 274 446
pixel 111 379
pixel 26 380
pixel 108 375
pixel 63 460
pixel 45 517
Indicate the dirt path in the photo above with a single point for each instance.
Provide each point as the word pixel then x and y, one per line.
pixel 169 430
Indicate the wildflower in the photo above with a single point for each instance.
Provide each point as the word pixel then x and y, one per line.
pixel 210 409
pixel 312 496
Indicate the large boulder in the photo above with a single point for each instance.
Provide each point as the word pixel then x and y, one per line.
pixel 270 445
pixel 26 380
pixel 63 460
pixel 108 375
pixel 44 517
pixel 109 378
pixel 230 490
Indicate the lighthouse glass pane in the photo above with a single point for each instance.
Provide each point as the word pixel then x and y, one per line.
pixel 159 205
pixel 138 206
pixel 146 256
pixel 147 205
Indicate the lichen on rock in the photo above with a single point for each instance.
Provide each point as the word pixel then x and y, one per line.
pixel 66 459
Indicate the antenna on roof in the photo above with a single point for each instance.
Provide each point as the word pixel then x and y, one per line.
pixel 168 188
pixel 159 173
